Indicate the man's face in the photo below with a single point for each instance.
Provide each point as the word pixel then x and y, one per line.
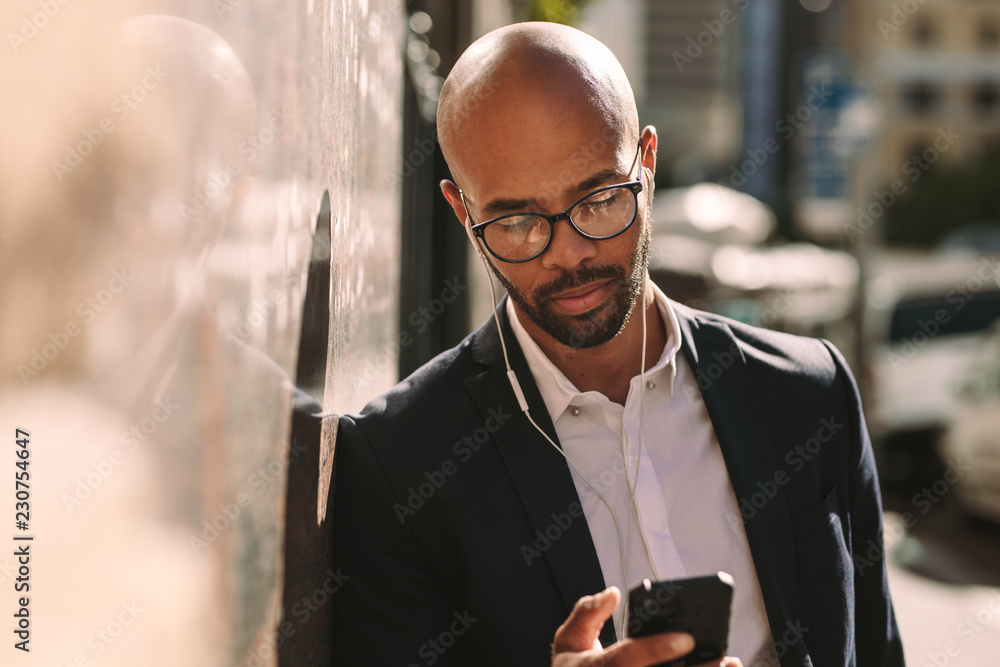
pixel 580 291
pixel 590 304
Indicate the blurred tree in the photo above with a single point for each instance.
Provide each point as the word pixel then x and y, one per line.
pixel 945 200
pixel 557 11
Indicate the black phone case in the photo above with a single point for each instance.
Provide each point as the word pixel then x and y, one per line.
pixel 699 606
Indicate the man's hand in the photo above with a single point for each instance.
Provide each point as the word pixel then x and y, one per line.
pixel 576 642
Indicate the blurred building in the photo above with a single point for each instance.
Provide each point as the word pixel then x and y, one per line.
pixel 932 65
pixel 680 58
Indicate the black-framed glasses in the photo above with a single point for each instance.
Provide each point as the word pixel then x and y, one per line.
pixel 601 214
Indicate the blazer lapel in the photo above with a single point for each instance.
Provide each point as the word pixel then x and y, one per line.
pixel 539 473
pixel 733 405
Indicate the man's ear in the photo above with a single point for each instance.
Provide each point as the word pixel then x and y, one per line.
pixel 450 191
pixel 454 198
pixel 648 140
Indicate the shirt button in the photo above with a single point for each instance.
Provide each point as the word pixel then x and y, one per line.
pixel 575 411
pixel 650 384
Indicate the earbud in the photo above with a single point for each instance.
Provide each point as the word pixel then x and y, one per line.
pixel 522 402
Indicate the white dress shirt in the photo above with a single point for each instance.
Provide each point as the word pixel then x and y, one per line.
pixel 683 491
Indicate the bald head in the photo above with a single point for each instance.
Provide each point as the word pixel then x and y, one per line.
pixel 531 80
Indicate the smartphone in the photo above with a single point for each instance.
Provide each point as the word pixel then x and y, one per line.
pixel 699 606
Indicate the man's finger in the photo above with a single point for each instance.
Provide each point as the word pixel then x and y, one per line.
pixel 585 621
pixel 647 650
pixel 725 662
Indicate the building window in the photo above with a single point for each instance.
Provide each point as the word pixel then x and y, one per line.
pixel 921 98
pixel 923 33
pixel 985 98
pixel 988 33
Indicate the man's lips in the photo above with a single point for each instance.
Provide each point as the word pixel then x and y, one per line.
pixel 581 299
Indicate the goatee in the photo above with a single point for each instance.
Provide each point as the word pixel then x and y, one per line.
pixel 598 325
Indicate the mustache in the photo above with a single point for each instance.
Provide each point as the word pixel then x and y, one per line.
pixel 582 276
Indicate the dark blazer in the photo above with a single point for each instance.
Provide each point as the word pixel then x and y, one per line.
pixel 458 532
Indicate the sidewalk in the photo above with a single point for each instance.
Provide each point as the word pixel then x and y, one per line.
pixel 941 624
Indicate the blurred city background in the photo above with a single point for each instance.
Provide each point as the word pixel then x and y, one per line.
pixel 198 215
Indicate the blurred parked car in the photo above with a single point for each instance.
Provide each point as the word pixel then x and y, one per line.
pixel 978 237
pixel 927 315
pixel 711 250
pixel 972 436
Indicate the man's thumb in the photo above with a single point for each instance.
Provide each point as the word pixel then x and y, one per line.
pixel 584 624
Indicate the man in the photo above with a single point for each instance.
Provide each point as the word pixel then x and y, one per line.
pixel 669 442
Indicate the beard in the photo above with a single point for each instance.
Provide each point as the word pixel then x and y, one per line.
pixel 603 322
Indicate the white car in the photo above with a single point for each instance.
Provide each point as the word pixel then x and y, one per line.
pixel 927 316
pixel 972 437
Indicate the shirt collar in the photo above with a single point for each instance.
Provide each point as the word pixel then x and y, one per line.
pixel 556 389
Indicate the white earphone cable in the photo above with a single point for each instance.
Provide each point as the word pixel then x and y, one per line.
pixel 624 552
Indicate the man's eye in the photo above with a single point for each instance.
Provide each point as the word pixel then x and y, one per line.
pixel 516 225
pixel 597 204
pixel 601 201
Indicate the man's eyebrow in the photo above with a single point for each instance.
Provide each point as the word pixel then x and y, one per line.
pixel 598 179
pixel 501 205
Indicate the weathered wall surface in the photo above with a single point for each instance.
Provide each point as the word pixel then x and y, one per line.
pixel 159 196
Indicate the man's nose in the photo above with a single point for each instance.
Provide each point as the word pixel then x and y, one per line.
pixel 568 247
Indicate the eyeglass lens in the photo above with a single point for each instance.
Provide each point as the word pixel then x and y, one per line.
pixel 603 213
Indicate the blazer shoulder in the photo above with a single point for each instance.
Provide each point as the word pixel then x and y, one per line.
pixel 423 394
pixel 791 355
